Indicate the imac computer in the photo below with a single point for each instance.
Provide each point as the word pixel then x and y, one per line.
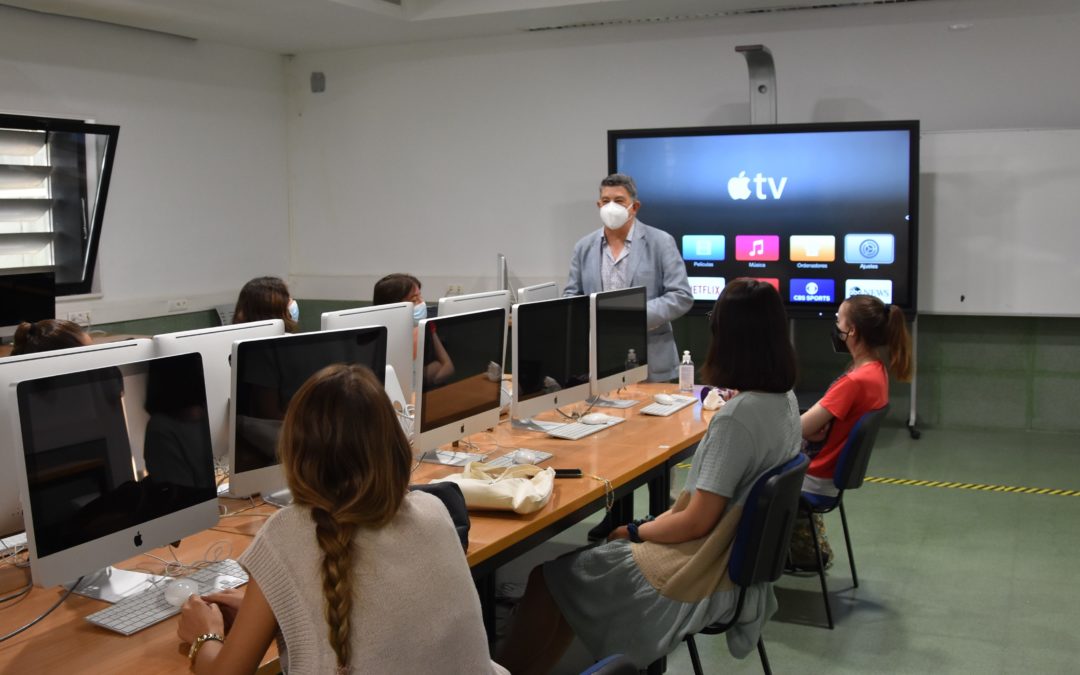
pixel 266 373
pixel 215 345
pixel 459 379
pixel 113 461
pixel 459 304
pixel 618 349
pixel 550 355
pixel 548 291
pixel 400 340
pixel 14 369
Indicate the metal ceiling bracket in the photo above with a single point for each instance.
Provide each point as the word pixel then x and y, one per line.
pixel 759 61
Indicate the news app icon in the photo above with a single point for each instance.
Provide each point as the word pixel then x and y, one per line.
pixel 706 288
pixel 757 247
pixel 879 288
pixel 703 246
pixel 813 248
pixel 813 290
pixel 869 249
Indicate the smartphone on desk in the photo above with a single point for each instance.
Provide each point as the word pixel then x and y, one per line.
pixel 568 473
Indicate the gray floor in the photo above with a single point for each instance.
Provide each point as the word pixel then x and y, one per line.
pixel 951 580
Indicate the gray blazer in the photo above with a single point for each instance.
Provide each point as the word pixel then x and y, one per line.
pixel 655 263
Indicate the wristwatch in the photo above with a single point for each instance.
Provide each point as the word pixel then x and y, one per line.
pixel 198 643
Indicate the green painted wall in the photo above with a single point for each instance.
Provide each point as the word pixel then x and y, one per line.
pixel 972 372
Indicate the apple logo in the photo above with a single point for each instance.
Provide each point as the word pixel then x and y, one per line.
pixel 462 428
pixel 739 186
pixel 138 539
pixel 811 288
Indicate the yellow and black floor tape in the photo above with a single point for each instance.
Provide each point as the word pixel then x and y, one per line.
pixel 959 485
pixel 973 486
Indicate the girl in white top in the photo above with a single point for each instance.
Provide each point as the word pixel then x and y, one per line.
pixel 358 575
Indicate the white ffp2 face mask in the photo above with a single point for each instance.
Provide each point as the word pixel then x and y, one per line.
pixel 614 215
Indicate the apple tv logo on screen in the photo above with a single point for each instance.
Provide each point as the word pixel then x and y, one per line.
pixel 738 187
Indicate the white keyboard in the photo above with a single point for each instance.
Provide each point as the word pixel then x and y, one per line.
pixel 142 610
pixel 507 460
pixel 662 410
pixel 577 430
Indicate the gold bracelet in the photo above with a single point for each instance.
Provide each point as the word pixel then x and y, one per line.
pixel 198 643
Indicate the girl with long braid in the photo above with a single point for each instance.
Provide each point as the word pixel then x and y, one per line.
pixel 359 574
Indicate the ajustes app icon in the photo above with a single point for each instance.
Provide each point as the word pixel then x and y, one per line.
pixel 869 249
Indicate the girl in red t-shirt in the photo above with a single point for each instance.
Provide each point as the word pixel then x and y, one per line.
pixel 872 333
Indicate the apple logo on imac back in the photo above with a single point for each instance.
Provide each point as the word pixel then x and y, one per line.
pixel 138 539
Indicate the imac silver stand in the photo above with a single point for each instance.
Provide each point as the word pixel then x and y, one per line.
pixel 528 424
pixel 397 399
pixel 112 585
pixel 280 499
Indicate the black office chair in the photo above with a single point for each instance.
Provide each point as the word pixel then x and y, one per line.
pixel 761 542
pixel 616 664
pixel 849 475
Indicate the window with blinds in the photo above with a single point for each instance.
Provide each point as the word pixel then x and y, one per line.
pixel 54 178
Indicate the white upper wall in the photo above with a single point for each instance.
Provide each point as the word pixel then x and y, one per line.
pixel 198 201
pixel 431 158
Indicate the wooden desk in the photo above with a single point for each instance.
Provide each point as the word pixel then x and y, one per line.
pixel 631 454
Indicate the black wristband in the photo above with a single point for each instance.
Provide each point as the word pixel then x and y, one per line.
pixel 632 533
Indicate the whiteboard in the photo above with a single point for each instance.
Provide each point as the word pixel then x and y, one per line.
pixel 999 230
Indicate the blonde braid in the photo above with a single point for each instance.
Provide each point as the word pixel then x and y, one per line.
pixel 336 541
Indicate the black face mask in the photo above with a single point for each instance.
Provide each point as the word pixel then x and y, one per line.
pixel 838 337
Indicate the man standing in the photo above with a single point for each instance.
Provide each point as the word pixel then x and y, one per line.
pixel 626 252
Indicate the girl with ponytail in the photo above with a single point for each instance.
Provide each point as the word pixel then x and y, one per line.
pixel 877 338
pixel 47 335
pixel 359 574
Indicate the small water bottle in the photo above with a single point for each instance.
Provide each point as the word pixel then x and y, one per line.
pixel 631 360
pixel 686 374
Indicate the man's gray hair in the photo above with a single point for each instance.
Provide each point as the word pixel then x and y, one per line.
pixel 620 180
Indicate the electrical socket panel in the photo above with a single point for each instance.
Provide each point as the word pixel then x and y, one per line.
pixel 455 289
pixel 179 305
pixel 81 318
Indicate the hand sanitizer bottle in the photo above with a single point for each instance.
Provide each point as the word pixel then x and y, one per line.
pixel 686 374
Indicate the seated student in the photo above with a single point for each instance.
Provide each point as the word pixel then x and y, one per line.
pixel 265 298
pixel 47 335
pixel 359 574
pixel 656 581
pixel 865 327
pixel 400 287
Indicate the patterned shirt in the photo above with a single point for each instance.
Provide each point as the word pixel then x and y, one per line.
pixel 615 274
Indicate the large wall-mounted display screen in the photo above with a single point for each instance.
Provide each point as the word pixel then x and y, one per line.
pixel 821 211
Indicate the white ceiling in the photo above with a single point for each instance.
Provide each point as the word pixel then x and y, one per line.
pixel 301 26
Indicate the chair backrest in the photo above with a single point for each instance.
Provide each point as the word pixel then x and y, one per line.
pixel 616 664
pixel 761 540
pixel 855 455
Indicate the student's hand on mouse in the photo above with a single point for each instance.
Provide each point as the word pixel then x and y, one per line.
pixel 228 601
pixel 198 617
pixel 619 532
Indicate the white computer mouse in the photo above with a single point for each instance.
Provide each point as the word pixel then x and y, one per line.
pixel 664 399
pixel 523 456
pixel 178 591
pixel 594 418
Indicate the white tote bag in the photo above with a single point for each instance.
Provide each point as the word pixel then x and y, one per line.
pixel 522 488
